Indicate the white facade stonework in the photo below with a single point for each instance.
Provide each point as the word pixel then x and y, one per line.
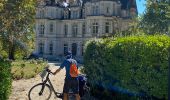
pixel 60 28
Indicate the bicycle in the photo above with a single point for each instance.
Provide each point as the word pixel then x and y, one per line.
pixel 43 91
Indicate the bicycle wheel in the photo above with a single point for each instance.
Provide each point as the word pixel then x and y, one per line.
pixel 40 92
pixel 86 95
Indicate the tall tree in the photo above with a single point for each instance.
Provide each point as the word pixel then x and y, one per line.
pixel 16 24
pixel 2 2
pixel 155 19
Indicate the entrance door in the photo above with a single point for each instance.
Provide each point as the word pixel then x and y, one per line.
pixel 74 49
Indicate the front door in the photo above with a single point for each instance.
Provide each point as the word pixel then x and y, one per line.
pixel 74 49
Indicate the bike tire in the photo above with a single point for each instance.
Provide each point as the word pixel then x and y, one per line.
pixel 86 95
pixel 35 97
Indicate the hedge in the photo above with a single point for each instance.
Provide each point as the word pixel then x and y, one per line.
pixel 5 79
pixel 136 64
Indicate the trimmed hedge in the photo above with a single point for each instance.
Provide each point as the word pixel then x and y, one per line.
pixel 137 64
pixel 5 79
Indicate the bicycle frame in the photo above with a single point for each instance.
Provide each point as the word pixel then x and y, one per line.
pixel 51 86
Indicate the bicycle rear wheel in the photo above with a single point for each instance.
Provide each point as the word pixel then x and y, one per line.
pixel 86 95
pixel 40 91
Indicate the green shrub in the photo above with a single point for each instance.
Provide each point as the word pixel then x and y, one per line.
pixel 138 64
pixel 27 69
pixel 5 79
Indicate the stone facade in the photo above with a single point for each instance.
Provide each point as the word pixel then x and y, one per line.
pixel 66 25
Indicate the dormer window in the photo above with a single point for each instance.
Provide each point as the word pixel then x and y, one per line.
pixel 41 13
pixel 65 14
pixel 74 14
pixel 95 10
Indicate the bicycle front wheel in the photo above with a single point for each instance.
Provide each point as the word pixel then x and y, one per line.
pixel 40 91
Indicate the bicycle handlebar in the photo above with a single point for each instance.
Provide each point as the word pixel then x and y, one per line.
pixel 49 71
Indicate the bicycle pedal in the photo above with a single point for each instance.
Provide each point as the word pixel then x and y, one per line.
pixel 59 95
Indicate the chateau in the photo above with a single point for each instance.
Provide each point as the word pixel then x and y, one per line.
pixel 66 25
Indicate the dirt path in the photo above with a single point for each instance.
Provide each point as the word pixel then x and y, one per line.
pixel 20 88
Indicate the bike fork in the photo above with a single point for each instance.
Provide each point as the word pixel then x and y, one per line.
pixel 42 90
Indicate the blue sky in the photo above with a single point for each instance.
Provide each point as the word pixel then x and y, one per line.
pixel 141 6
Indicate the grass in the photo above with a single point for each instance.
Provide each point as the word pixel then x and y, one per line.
pixel 27 68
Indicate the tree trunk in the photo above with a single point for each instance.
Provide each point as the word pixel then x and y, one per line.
pixel 11 52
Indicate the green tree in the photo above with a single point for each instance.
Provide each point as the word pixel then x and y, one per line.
pixel 2 4
pixel 155 19
pixel 16 25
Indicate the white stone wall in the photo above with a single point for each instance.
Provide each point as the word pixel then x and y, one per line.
pixel 54 14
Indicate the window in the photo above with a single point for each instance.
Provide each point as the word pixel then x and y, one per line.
pixel 65 49
pixel 65 30
pixel 51 49
pixel 41 48
pixel 107 27
pixel 84 13
pixel 114 9
pixel 51 13
pixel 51 27
pixel 41 13
pixel 74 14
pixel 41 29
pixel 95 28
pixel 95 10
pixel 74 49
pixel 107 10
pixel 83 29
pixel 74 30
pixel 57 13
pixel 82 49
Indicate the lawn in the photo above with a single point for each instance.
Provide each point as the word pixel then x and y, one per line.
pixel 27 68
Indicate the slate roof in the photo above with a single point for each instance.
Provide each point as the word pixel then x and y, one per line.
pixel 126 4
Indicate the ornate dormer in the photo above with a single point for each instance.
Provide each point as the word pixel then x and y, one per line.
pixel 66 13
pixel 51 2
pixel 41 3
pixel 75 2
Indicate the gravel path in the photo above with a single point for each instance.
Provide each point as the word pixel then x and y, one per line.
pixel 20 88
